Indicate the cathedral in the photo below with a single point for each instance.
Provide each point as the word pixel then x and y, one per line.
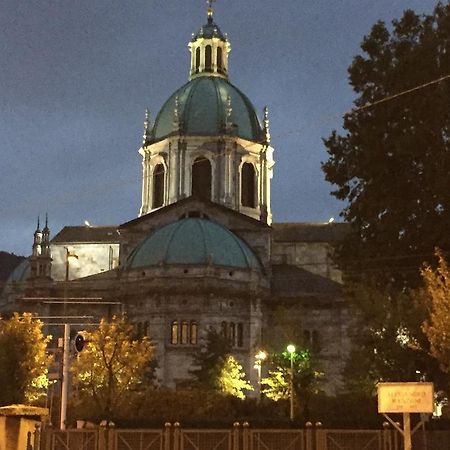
pixel 204 252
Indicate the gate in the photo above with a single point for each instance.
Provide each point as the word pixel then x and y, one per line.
pixel 277 440
pixel 350 440
pixel 138 440
pixel 205 440
pixel 74 440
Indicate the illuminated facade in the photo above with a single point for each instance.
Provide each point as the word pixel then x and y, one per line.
pixel 203 252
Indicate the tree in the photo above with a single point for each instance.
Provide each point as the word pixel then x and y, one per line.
pixel 232 380
pixel 217 369
pixel 23 359
pixel 112 366
pixel 437 299
pixel 390 167
pixel 277 386
pixel 209 360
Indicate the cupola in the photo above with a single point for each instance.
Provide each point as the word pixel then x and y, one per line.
pixel 209 49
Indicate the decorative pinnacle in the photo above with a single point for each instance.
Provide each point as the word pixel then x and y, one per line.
pixel 176 117
pixel 146 126
pixel 37 229
pixel 266 124
pixel 46 222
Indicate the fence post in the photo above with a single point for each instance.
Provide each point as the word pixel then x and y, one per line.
pixel 308 436
pixel 167 426
pixel 111 434
pixel 176 436
pixel 246 436
pixel 102 441
pixel 236 436
pixel 48 436
pixel 321 439
pixel 37 437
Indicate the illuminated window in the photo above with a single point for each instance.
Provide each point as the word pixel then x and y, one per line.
pixel 208 58
pixel 158 186
pixel 194 333
pixel 248 185
pixel 184 332
pixel 201 178
pixel 240 335
pixel 219 59
pixel 174 332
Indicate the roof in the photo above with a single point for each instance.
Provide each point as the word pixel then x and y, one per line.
pixel 202 106
pixel 209 31
pixel 107 234
pixel 193 241
pixel 292 281
pixel 310 232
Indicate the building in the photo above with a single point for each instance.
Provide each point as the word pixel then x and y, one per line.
pixel 203 252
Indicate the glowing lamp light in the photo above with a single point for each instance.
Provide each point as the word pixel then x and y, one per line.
pixel 290 348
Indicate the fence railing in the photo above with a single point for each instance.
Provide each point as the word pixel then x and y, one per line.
pixel 239 437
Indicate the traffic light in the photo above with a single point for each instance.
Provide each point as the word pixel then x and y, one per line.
pixel 79 343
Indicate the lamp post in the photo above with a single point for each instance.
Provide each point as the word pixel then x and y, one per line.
pixel 259 358
pixel 291 351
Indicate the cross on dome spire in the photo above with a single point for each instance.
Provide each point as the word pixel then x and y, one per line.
pixel 210 9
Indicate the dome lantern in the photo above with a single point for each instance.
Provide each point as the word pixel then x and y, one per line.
pixel 209 49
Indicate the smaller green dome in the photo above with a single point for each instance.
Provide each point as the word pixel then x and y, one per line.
pixel 193 241
pixel 21 273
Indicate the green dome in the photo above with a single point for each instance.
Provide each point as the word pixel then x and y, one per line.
pixel 193 241
pixel 202 105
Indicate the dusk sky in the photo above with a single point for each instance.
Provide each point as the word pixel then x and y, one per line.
pixel 77 75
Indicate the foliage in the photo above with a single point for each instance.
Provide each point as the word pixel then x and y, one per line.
pixel 277 386
pixel 23 359
pixel 112 367
pixel 232 380
pixel 437 298
pixel 390 167
pixel 392 164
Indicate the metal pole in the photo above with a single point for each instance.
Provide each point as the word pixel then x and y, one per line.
pixel 65 376
pixel 291 415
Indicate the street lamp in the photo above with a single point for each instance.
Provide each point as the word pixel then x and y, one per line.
pixel 259 358
pixel 291 351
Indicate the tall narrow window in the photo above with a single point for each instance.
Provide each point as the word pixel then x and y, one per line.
pixel 315 342
pixel 208 58
pixel 194 333
pixel 240 335
pixel 248 185
pixel 197 59
pixel 145 329
pixel 307 338
pixel 223 329
pixel 174 332
pixel 219 59
pixel 201 178
pixel 232 333
pixel 158 186
pixel 184 332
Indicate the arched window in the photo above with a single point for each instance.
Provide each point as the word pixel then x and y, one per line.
pixel 197 59
pixel 184 332
pixel 145 328
pixel 219 59
pixel 158 186
pixel 307 338
pixel 240 335
pixel 194 333
pixel 139 330
pixel 201 178
pixel 248 185
pixel 208 58
pixel 174 332
pixel 315 341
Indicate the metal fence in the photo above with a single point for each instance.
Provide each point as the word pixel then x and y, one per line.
pixel 239 437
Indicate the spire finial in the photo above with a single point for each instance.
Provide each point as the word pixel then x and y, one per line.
pixel 210 10
pixel 38 224
pixel 46 220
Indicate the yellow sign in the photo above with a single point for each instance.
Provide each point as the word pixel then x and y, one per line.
pixel 405 397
